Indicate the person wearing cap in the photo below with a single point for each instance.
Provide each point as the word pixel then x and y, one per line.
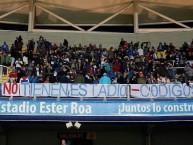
pixel 105 79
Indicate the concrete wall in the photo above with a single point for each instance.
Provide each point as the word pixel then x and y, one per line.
pixel 172 135
pixel 110 134
pixel 48 137
pixel 2 140
pixel 32 137
pixel 106 39
pixel 129 137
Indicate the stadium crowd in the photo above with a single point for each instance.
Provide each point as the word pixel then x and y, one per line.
pixel 132 63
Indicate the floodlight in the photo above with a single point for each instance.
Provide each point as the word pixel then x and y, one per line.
pixel 69 124
pixel 77 125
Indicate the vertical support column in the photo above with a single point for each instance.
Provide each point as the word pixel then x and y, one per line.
pixel 128 92
pixel 2 139
pixel 135 16
pixel 1 72
pixel 3 135
pixel 148 134
pixel 7 71
pixel 31 15
pixel 148 138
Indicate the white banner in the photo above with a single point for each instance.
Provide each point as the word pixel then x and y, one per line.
pixel 10 89
pixel 97 90
pixel 65 90
pixel 161 90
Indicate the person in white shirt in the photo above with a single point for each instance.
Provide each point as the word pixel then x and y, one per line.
pixel 18 63
pixel 140 52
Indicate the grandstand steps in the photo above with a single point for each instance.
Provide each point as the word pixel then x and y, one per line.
pixel 5 77
pixel 23 50
pixel 35 50
pixel 10 69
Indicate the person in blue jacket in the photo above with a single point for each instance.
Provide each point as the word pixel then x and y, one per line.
pixel 5 47
pixel 105 79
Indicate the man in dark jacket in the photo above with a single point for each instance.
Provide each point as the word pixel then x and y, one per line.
pixel 79 78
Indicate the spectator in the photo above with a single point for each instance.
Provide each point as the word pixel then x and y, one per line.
pixel 13 76
pixel 175 81
pixel 107 66
pixel 61 63
pixel 105 79
pixel 151 80
pixel 121 79
pixel 24 79
pixel 188 72
pixel 32 78
pixel 5 60
pixel 133 80
pixel 5 47
pixel 88 79
pixel 18 63
pixel 79 78
pixel 141 79
pixel 47 80
pixel 65 43
pixel 181 78
pixel 40 79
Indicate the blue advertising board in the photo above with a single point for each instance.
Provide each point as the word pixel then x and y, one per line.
pixel 96 110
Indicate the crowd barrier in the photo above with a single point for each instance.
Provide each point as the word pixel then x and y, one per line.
pixel 14 105
pixel 96 90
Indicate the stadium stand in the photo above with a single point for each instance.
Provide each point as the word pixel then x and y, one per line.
pixel 44 61
pixel 77 86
